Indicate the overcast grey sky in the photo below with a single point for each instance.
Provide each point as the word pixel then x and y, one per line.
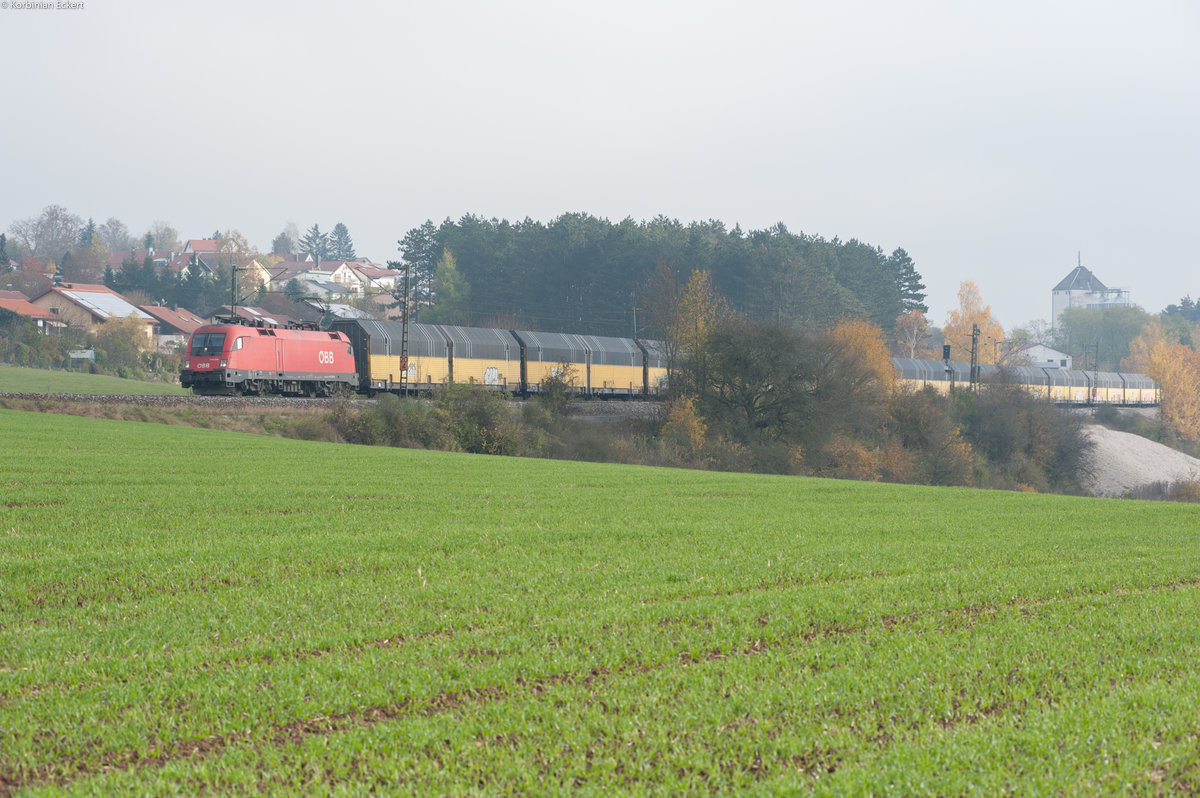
pixel 993 141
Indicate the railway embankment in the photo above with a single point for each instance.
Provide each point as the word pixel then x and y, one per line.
pixel 1121 462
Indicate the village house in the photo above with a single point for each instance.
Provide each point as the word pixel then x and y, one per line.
pixel 206 253
pixel 84 305
pixel 324 280
pixel 1040 356
pixel 202 246
pixel 376 277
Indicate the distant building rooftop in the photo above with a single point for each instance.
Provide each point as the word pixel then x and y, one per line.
pixel 1080 279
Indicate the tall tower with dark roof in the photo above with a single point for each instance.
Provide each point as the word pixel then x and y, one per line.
pixel 1082 289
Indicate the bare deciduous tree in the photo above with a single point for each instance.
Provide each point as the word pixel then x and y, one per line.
pixel 49 235
pixel 116 236
pixel 912 334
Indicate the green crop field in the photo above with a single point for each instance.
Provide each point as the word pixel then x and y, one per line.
pixel 186 611
pixel 18 379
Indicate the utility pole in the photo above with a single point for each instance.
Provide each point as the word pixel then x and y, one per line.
pixel 1094 348
pixel 233 292
pixel 404 334
pixel 974 356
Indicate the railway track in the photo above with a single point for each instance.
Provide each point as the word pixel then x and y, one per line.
pixel 597 409
pixel 177 401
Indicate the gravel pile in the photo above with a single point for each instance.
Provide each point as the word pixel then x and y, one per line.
pixel 1122 461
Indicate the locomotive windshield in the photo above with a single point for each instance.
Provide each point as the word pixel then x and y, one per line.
pixel 207 344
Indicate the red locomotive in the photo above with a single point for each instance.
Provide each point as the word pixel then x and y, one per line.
pixel 235 359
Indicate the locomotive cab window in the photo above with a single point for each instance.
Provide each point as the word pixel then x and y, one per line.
pixel 207 344
pixel 238 344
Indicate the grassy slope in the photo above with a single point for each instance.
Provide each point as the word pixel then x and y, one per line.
pixel 18 379
pixel 188 610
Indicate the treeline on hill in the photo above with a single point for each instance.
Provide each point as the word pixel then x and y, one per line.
pixel 583 273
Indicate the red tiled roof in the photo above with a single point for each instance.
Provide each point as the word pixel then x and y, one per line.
pixel 181 319
pixel 184 259
pixel 180 262
pixel 208 245
pixel 371 268
pixel 90 288
pixel 13 295
pixel 117 259
pixel 24 307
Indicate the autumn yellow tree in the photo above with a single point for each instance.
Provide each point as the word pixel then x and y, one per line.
pixel 120 344
pixel 685 316
pixel 685 428
pixel 971 312
pixel 1176 368
pixel 859 342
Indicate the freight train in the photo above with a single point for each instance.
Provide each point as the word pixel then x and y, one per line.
pixel 365 356
pixel 1061 385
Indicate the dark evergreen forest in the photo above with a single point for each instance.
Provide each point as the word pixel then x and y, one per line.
pixel 583 273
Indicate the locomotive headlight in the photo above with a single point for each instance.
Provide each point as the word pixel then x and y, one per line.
pixel 187 364
pixel 224 362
